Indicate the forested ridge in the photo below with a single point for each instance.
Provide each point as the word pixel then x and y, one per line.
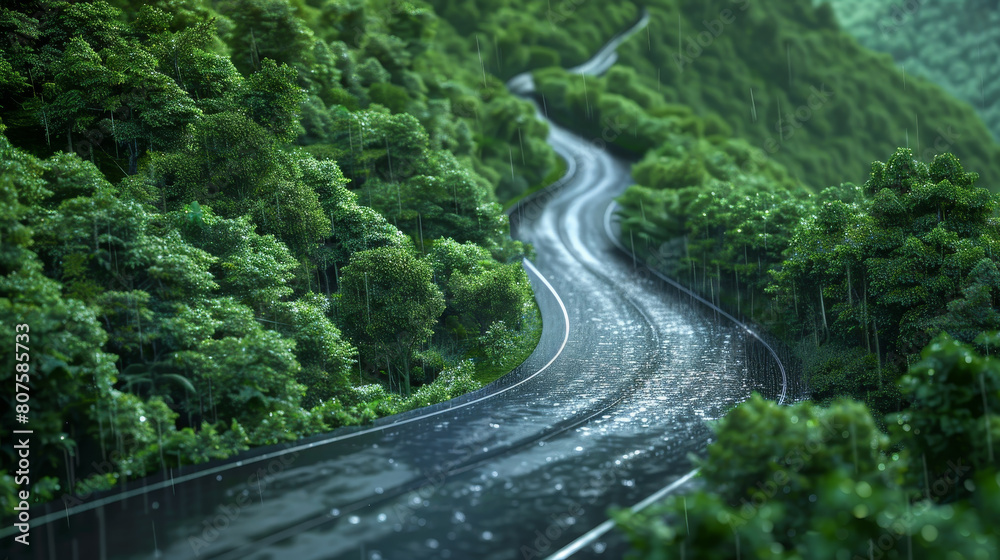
pixel 231 224
pixel 888 293
pixel 783 78
pixel 920 37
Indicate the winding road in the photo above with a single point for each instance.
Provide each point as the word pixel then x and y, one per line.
pixel 603 413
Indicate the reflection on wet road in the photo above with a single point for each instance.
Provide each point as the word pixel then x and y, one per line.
pixel 516 475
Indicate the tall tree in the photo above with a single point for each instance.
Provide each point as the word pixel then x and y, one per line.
pixel 389 304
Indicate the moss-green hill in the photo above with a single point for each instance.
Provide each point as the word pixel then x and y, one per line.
pixel 921 38
pixel 780 74
pixel 786 51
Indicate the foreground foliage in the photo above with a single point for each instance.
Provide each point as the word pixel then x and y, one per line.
pixel 804 481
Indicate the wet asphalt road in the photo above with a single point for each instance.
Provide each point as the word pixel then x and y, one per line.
pixel 602 414
pixel 609 421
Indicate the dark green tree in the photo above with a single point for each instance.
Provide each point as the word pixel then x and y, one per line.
pixel 390 306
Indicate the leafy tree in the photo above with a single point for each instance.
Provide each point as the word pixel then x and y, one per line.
pixel 355 227
pixel 237 167
pixel 266 29
pixel 478 290
pixel 826 485
pixel 247 374
pixel 497 294
pixel 210 274
pixel 889 266
pixel 954 396
pixel 68 376
pixel 153 111
pixel 255 269
pixel 272 99
pixel 325 357
pixel 389 305
pixel 448 256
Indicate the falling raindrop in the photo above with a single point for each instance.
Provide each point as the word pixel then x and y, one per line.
pixel 687 525
pixel 521 143
pixel 986 416
pixel 156 548
pixel 481 65
pixel 781 130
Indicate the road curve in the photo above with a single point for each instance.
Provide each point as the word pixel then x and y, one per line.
pixel 603 413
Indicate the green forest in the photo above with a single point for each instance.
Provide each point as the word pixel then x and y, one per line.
pixel 921 38
pixel 885 283
pixel 234 223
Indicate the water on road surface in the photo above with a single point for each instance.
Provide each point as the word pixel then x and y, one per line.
pixel 516 475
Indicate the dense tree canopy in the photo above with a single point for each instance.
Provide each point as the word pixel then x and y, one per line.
pixel 390 305
pixel 195 193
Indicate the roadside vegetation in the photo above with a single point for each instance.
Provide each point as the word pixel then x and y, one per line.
pixel 851 216
pixel 236 223
pixel 889 293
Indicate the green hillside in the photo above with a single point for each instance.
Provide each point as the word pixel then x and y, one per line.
pixel 922 40
pixel 237 223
